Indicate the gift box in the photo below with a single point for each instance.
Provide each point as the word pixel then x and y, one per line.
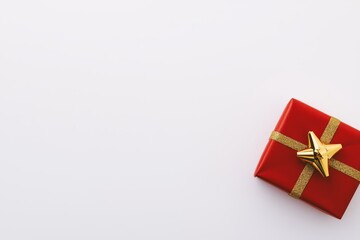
pixel 293 136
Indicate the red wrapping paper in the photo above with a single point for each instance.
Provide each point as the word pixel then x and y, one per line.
pixel 280 166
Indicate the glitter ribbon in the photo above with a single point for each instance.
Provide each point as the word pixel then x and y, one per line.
pixel 308 170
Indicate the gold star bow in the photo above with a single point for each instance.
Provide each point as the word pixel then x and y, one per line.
pixel 318 154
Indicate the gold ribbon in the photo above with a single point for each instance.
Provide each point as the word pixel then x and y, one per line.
pixel 308 170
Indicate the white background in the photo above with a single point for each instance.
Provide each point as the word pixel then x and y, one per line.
pixel 146 119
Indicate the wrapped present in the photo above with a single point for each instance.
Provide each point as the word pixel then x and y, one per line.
pixel 313 157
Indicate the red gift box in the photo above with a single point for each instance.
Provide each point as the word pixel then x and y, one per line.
pixel 280 166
